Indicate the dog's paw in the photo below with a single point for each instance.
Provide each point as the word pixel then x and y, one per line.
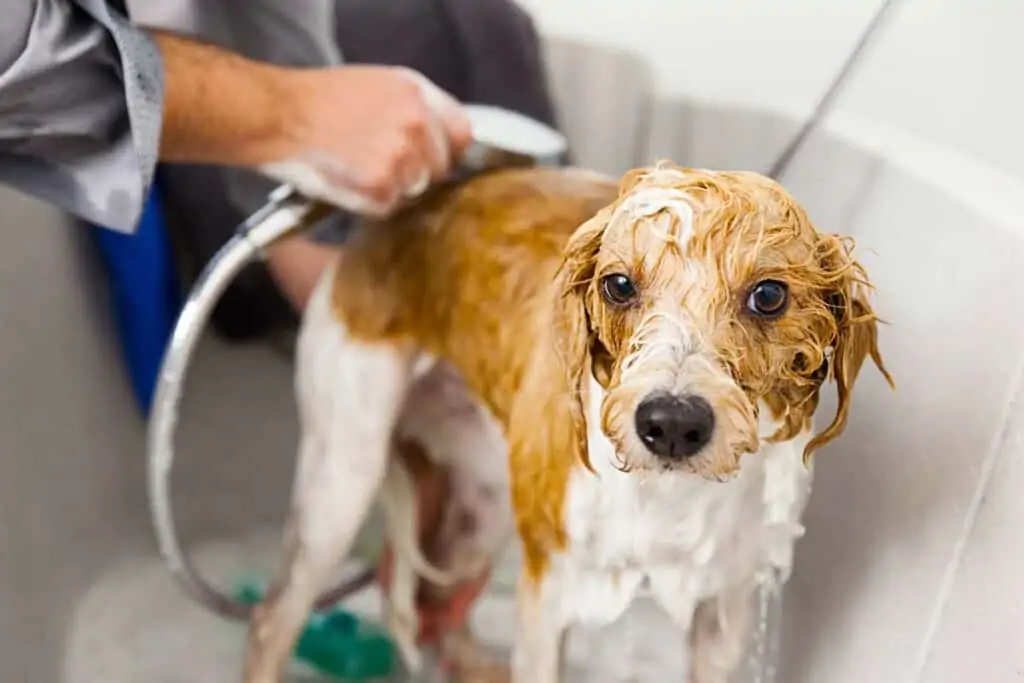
pixel 468 661
pixel 493 672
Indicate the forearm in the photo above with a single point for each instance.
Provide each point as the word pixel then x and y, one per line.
pixel 219 107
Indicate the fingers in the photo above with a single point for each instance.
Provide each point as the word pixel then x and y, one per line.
pixel 455 124
pixel 450 125
pixel 447 132
pixel 429 139
pixel 412 172
pixel 420 163
pixel 370 137
pixel 432 132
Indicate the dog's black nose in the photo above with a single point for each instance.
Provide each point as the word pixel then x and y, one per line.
pixel 674 427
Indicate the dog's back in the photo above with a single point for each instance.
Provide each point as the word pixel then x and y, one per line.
pixel 458 272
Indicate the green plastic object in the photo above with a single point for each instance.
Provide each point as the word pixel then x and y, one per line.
pixel 338 643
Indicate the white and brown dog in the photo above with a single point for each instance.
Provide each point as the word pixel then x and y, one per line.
pixel 638 364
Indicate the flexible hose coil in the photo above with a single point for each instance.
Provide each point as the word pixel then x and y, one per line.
pixel 286 213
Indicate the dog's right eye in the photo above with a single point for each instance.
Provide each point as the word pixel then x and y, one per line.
pixel 617 289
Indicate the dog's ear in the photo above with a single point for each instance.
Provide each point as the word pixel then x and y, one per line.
pixel 855 330
pixel 547 423
pixel 574 337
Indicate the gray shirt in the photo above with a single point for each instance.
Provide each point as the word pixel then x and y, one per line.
pixel 81 100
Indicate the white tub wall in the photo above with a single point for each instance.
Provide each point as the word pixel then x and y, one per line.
pixel 910 570
pixel 68 483
pixel 72 478
pixel 895 500
pixel 941 71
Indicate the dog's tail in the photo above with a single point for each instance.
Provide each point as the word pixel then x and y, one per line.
pixel 398 497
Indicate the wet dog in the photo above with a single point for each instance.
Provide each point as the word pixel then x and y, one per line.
pixel 636 363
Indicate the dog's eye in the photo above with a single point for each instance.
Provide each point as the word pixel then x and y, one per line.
pixel 768 298
pixel 617 289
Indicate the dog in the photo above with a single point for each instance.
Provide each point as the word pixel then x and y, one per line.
pixel 624 374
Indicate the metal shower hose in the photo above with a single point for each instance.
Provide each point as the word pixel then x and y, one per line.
pixel 287 213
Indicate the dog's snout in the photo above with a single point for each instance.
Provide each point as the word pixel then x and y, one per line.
pixel 674 427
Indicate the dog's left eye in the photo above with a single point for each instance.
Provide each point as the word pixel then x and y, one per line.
pixel 617 289
pixel 768 298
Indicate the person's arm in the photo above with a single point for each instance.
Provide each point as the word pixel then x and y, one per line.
pixel 221 108
pixel 281 32
pixel 360 137
pixel 84 113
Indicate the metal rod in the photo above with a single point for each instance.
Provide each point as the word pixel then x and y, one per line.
pixel 828 99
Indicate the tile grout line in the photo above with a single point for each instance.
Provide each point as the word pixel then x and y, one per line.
pixel 997 447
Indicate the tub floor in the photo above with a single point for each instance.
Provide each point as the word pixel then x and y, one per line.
pixel 136 625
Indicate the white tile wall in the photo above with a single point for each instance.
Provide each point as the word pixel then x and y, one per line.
pixel 978 633
pixel 892 498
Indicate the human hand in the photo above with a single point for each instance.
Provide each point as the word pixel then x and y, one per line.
pixel 366 137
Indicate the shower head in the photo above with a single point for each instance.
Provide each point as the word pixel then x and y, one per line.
pixel 503 137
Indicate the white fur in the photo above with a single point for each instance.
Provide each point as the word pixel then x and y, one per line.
pixel 683 539
pixel 354 399
pixel 349 397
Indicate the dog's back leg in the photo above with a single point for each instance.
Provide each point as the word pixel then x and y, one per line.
pixel 458 435
pixel 350 394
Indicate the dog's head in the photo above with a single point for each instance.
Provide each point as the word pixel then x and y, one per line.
pixel 699 299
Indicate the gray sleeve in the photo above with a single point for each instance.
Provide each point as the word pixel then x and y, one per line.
pixel 81 102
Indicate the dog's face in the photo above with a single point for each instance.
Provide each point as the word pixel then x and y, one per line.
pixel 699 299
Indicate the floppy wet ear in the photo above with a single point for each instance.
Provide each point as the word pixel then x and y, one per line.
pixel 575 338
pixel 547 424
pixel 855 332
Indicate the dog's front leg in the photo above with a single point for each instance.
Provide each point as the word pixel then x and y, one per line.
pixel 540 628
pixel 718 636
